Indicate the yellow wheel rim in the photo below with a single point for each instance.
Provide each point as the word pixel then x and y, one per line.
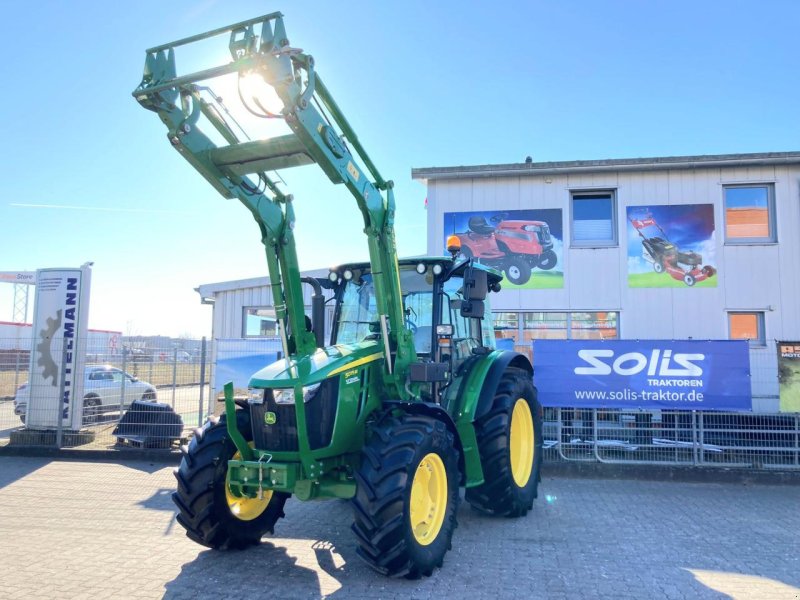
pixel 521 443
pixel 245 509
pixel 428 499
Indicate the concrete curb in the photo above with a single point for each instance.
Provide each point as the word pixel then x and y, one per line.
pixel 121 455
pixel 688 474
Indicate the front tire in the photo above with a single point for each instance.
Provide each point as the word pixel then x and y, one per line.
pixel 517 270
pixel 407 497
pixel 207 509
pixel 91 410
pixel 510 445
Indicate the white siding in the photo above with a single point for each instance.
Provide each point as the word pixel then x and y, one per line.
pixel 761 277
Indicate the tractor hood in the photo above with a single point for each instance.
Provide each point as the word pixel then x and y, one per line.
pixel 313 368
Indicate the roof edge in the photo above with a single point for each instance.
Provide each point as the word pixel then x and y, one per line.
pixel 614 164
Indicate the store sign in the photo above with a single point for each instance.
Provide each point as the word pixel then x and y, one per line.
pixel 789 376
pixel 60 332
pixel 651 374
pixel 26 277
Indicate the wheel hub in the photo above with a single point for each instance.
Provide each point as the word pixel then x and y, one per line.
pixel 428 499
pixel 244 508
pixel 521 442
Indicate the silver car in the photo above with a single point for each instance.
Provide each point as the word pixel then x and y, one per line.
pixel 102 392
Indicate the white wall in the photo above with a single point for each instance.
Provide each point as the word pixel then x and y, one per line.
pixel 762 277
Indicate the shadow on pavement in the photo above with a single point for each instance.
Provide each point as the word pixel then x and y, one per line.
pixel 16 468
pixel 266 570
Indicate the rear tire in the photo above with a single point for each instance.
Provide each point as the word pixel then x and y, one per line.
pixel 407 496
pixel 547 260
pixel 205 510
pixel 510 445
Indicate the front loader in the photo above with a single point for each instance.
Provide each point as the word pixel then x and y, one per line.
pixel 408 402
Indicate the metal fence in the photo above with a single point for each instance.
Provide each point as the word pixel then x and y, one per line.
pixel 137 396
pixel 154 396
pixel 690 438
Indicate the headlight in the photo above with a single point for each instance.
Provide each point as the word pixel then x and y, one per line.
pixel 286 395
pixel 283 396
pixel 309 391
pixel 255 396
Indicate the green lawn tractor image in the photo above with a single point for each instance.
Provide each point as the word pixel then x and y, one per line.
pixel 408 401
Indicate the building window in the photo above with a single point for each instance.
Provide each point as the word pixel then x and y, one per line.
pixel 259 321
pixel 747 326
pixel 749 213
pixel 594 219
pixel 593 326
pixel 516 331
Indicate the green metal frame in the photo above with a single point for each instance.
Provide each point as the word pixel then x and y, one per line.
pixel 320 134
pixel 179 102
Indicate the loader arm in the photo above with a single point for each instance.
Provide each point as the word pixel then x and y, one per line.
pixel 320 134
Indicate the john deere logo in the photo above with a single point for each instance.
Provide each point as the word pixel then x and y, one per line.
pixel 270 417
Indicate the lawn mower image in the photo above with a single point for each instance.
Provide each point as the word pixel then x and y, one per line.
pixel 665 256
pixel 514 247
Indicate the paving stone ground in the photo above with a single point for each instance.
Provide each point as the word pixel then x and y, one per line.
pixel 101 530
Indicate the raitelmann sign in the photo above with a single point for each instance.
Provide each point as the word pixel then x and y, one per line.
pixel 60 329
pixel 649 374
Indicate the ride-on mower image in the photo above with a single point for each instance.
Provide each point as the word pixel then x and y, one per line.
pixel 514 247
pixel 665 256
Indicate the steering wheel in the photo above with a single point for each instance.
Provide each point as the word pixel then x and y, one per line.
pixel 411 325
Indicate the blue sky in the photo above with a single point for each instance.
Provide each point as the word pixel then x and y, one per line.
pixel 423 84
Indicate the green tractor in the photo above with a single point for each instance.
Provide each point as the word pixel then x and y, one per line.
pixel 410 399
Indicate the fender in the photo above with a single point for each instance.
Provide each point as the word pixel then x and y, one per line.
pixel 435 411
pixel 475 396
pixel 492 379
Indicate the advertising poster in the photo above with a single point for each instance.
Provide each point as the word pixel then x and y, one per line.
pixel 526 245
pixel 60 330
pixel 671 246
pixel 644 374
pixel 789 376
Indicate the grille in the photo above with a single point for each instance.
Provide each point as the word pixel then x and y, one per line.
pixel 281 436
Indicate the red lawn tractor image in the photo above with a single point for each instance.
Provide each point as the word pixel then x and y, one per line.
pixel 665 256
pixel 514 247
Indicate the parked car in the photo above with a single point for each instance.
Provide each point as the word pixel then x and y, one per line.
pixel 102 392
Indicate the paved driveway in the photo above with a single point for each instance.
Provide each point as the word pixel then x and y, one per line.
pixel 101 530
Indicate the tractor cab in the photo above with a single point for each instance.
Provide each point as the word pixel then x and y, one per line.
pixel 433 294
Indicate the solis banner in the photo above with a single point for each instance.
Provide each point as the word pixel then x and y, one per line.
pixel 648 374
pixel 526 245
pixel 789 376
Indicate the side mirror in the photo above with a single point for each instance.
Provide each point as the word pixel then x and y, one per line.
pixel 476 284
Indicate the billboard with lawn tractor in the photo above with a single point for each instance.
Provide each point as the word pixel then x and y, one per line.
pixel 789 376
pixel 526 245
pixel 671 246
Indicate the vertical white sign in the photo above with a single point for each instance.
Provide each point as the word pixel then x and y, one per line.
pixel 58 356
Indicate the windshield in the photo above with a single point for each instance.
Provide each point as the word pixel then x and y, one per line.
pixel 359 320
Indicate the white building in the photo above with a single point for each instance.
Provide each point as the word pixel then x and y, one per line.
pixel 722 230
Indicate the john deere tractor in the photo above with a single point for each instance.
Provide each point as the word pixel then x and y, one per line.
pixel 410 399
